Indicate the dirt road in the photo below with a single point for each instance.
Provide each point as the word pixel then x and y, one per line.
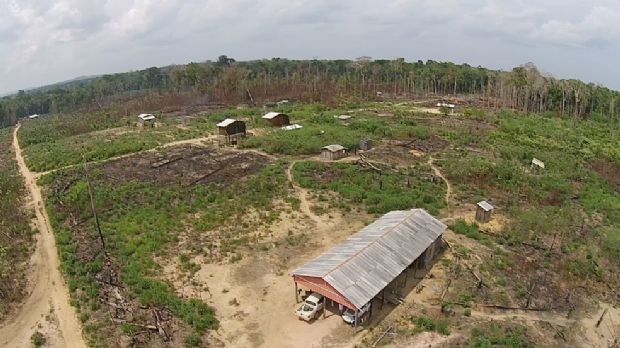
pixel 50 295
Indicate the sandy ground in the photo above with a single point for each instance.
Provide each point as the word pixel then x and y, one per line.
pixel 47 307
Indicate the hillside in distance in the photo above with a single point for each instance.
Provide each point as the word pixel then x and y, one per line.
pixel 226 80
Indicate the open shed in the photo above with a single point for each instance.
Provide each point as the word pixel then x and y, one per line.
pixel 277 119
pixel 333 152
pixel 355 271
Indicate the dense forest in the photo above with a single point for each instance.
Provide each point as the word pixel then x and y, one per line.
pixel 228 81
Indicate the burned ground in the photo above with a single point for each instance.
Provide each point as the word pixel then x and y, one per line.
pixel 428 145
pixel 186 166
pixel 392 154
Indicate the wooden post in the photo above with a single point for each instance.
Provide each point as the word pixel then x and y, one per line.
pixel 355 318
pixel 382 298
pixel 296 293
pixel 406 275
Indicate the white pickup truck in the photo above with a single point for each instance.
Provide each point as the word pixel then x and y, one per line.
pixel 349 315
pixel 311 307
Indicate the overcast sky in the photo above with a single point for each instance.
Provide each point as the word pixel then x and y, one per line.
pixel 45 41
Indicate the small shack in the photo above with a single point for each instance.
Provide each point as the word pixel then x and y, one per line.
pixel 366 144
pixel 333 152
pixel 231 130
pixel 484 211
pixel 144 119
pixel 537 164
pixel 277 119
pixel 356 271
pixel 344 118
pixel 32 117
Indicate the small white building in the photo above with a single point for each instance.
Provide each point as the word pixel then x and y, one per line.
pixel 146 117
pixel 446 105
pixel 344 118
pixel 32 117
pixel 538 164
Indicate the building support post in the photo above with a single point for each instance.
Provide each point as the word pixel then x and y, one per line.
pixel 296 293
pixel 355 318
pixel 406 275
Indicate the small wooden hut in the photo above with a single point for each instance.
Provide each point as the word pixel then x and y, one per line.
pixel 366 144
pixel 231 130
pixel 277 119
pixel 333 152
pixel 146 119
pixel 484 212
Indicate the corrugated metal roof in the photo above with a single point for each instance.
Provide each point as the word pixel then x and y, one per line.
pixel 271 115
pixel 485 205
pixel 361 266
pixel 227 122
pixel 334 148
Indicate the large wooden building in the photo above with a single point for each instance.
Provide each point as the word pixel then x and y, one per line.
pixel 277 119
pixel 357 270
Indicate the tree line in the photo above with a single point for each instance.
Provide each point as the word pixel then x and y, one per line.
pixel 227 81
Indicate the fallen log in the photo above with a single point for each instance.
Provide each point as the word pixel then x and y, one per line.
pixel 445 291
pixel 382 336
pixel 600 320
pixel 516 308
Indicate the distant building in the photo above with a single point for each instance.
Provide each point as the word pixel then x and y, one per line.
pixel 446 105
pixel 344 118
pixel 538 164
pixel 231 130
pixel 277 119
pixel 282 102
pixel 366 144
pixel 32 117
pixel 146 118
pixel 333 152
pixel 484 212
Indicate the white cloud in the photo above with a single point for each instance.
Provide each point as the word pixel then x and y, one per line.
pixel 47 40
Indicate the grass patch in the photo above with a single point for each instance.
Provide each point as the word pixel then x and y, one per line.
pixel 392 190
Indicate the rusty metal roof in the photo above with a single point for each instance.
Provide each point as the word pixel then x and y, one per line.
pixel 361 266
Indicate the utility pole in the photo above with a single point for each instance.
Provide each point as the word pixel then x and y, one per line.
pixel 92 205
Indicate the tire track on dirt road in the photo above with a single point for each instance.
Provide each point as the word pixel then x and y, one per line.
pixel 50 294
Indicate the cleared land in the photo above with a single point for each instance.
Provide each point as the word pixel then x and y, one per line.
pixel 197 240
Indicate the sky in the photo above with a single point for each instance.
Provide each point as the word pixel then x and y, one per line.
pixel 45 41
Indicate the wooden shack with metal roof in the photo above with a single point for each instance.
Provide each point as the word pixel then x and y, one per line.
pixel 484 211
pixel 277 119
pixel 356 271
pixel 230 130
pixel 334 152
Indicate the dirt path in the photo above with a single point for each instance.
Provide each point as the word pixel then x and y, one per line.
pixel 49 296
pixel 302 194
pixel 431 162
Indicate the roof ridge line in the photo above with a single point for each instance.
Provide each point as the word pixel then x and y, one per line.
pixel 369 244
